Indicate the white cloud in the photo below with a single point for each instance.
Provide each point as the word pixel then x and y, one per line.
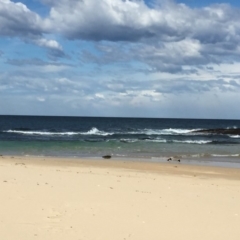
pixel 169 57
pixel 168 37
pixel 52 44
pixel 41 99
pixel 117 20
pixel 99 20
pixel 99 96
pixel 200 33
pixel 16 20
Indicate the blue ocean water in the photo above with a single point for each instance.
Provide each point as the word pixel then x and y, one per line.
pixel 120 137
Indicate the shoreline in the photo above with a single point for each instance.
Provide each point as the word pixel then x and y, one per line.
pixel 131 164
pixel 226 161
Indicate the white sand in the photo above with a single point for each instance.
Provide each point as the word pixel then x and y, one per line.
pixel 59 200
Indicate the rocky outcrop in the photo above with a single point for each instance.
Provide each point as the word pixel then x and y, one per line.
pixel 232 131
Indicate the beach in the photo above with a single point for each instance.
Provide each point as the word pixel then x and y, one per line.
pixel 61 198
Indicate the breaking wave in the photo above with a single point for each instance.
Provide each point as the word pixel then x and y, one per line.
pixel 93 131
pixel 168 131
pixel 40 132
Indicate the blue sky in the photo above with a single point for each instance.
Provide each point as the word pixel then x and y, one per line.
pixel 160 58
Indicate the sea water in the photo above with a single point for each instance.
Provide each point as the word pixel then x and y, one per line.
pixel 139 138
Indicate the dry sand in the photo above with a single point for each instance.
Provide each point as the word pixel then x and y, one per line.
pixel 108 200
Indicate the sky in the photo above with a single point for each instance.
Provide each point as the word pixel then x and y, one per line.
pixel 120 58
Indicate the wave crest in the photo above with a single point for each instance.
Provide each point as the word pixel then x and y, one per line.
pixel 40 132
pixel 167 131
pixel 93 131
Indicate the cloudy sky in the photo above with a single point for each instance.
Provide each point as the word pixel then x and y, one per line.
pixel 128 58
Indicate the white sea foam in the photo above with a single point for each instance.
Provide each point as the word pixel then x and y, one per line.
pixel 174 131
pixel 157 140
pixel 128 140
pixel 192 141
pixel 168 131
pixel 93 131
pixel 41 132
pixel 195 155
pixel 230 155
pixel 234 136
pixel 234 127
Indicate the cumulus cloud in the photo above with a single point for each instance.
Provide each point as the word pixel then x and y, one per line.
pixel 176 34
pixel 55 49
pixel 48 43
pixel 165 37
pixel 16 20
pixel 117 20
pixel 101 20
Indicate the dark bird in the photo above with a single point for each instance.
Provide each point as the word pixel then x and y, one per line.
pixel 170 159
pixel 179 160
pixel 107 156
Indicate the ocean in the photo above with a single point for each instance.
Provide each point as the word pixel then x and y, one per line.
pixel 150 139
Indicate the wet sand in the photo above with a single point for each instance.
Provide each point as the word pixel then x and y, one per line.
pixel 53 198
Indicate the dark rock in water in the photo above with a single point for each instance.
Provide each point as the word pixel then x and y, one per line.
pixel 106 156
pixel 170 159
pixel 179 160
pixel 234 131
